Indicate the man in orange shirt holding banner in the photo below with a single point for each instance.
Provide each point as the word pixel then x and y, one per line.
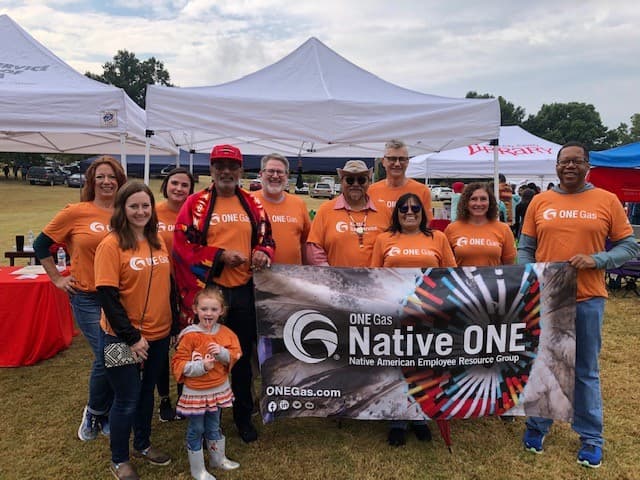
pixel 386 192
pixel 288 214
pixel 222 236
pixel 571 223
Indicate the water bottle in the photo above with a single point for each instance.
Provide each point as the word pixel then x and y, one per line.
pixel 30 239
pixel 62 259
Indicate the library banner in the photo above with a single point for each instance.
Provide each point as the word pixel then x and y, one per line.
pixel 407 343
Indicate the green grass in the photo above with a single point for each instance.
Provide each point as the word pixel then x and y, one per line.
pixel 41 405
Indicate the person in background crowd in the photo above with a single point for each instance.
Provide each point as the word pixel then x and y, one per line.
pixel 206 352
pixel 477 238
pixel 344 229
pixel 521 209
pixel 81 227
pixel 550 186
pixel 175 188
pixel 408 231
pixel 223 235
pixel 579 240
pixel 133 282
pixel 385 192
pixel 506 196
pixel 457 188
pixel 288 214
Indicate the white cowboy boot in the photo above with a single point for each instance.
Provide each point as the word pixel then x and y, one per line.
pixel 196 462
pixel 217 458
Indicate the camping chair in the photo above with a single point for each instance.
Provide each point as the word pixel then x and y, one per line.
pixel 624 278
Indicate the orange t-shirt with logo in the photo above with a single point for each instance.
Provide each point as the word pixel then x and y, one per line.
pixel 290 225
pixel 230 228
pixel 579 223
pixel 142 277
pixel 485 245
pixel 81 227
pixel 384 196
pixel 416 250
pixel 334 230
pixel 166 224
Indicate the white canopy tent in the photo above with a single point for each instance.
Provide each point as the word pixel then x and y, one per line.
pixel 313 102
pixel 48 107
pixel 521 155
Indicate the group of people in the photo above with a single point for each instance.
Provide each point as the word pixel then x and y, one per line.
pixel 143 274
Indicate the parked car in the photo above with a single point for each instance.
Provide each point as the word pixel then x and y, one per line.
pixel 441 193
pixel 76 180
pixel 70 169
pixel 255 184
pixel 46 176
pixel 304 190
pixel 320 190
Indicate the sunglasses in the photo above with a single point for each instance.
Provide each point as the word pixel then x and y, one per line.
pixel 352 180
pixel 405 208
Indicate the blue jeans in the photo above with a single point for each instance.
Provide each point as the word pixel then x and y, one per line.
pixel 587 400
pixel 133 387
pixel 199 425
pixel 86 310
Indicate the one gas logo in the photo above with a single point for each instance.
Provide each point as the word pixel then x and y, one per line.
pixel 550 214
pixel 342 226
pixel 310 336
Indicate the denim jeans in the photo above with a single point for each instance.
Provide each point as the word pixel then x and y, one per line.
pixel 133 387
pixel 86 310
pixel 199 425
pixel 587 401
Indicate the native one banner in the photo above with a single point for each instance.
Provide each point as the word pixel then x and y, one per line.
pixel 406 343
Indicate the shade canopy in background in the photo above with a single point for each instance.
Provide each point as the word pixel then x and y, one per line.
pixel 313 102
pixel 626 156
pixel 617 170
pixel 520 155
pixel 48 107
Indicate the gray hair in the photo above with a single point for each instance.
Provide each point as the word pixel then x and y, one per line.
pixel 274 156
pixel 395 144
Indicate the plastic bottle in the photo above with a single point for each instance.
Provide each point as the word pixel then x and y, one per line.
pixel 30 239
pixel 62 259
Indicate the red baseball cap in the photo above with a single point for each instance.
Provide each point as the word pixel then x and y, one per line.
pixel 222 152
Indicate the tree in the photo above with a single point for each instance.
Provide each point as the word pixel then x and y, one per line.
pixel 574 121
pixel 133 75
pixel 509 113
pixel 634 132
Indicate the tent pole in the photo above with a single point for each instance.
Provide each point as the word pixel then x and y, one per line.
pixel 191 152
pixel 123 151
pixel 147 155
pixel 496 175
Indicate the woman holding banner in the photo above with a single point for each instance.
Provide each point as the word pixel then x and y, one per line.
pixel 408 242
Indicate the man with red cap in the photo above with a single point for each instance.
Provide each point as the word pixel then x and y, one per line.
pixel 222 235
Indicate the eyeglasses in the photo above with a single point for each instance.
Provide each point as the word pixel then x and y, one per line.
pixel 576 161
pixel 397 159
pixel 352 180
pixel 275 171
pixel 405 208
pixel 233 166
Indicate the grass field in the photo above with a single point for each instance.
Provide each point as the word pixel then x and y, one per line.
pixel 41 405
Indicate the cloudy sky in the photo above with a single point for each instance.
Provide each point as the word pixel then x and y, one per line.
pixel 531 53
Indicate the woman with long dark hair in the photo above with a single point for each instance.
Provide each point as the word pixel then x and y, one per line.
pixel 133 281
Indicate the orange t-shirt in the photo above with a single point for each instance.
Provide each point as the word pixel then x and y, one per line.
pixel 81 227
pixel 418 250
pixel 334 230
pixel 166 224
pixel 230 228
pixel 569 224
pixel 142 277
pixel 384 196
pixel 481 245
pixel 290 225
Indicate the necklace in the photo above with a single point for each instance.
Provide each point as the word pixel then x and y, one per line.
pixel 359 227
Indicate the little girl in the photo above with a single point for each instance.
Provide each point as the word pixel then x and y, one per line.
pixel 206 352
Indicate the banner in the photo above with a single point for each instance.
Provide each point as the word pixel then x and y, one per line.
pixel 414 344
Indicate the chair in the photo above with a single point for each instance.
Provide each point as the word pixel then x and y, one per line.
pixel 624 278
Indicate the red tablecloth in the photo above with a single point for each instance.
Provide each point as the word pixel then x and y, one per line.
pixel 35 319
pixel 439 223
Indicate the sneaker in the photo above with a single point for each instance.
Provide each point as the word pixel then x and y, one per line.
pixel 153 456
pixel 88 429
pixel 533 440
pixel 124 471
pixel 421 432
pixel 248 432
pixel 166 411
pixel 396 437
pixel 103 424
pixel 590 456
